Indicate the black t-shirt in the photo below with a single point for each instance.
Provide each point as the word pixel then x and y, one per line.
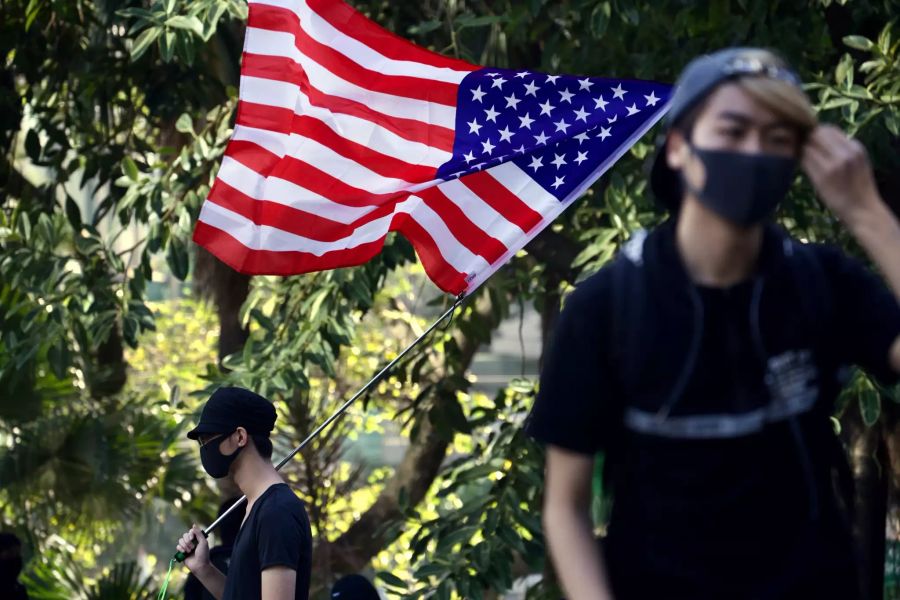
pixel 275 533
pixel 219 556
pixel 720 450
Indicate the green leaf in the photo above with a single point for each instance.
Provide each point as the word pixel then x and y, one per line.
pixel 600 18
pixel 467 21
pixel 458 536
pixel 167 45
pixel 130 168
pixel 73 213
pixel 884 40
pixel 33 145
pixel 429 570
pixel 138 13
pixel 443 591
pixel 32 11
pixel 424 27
pixel 143 42
pixel 391 579
pixel 869 406
pixel 184 124
pixel 188 23
pixel 58 357
pixel 858 42
pixel 835 103
pixel 177 258
pixel 843 73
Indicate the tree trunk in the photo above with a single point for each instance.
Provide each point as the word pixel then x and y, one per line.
pixel 228 290
pixel 417 471
pixel 869 464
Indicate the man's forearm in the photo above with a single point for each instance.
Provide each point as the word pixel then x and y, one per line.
pixel 212 579
pixel 575 554
pixel 878 232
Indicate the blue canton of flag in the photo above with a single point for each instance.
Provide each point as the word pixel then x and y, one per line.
pixel 563 131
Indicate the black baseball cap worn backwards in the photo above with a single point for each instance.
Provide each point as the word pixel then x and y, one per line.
pixel 697 81
pixel 232 407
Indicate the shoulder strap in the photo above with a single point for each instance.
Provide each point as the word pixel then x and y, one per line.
pixel 812 286
pixel 628 301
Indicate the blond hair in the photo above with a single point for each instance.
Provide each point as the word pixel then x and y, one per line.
pixel 783 98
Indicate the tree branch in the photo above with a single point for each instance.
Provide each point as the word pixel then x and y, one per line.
pixel 417 471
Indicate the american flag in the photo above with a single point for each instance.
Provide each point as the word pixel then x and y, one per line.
pixel 345 132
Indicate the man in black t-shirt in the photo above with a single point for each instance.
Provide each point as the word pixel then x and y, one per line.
pixel 272 554
pixel 706 358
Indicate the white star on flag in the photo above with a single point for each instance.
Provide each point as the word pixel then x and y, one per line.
pixel 558 160
pixel 546 107
pixel 618 92
pixel 505 135
pixel 477 94
pixel 651 99
pixel 498 83
pixel 600 103
pixel 491 114
pixel 582 137
pixel 552 78
pixel 585 84
pixel 525 121
pixel 487 146
pixel 558 181
pixel 541 139
pixel 561 125
pixel 512 101
pixel 536 163
pixel 581 115
pixel 604 133
pixel 531 89
pixel 474 127
pixel 582 156
pixel 633 110
pixel 566 96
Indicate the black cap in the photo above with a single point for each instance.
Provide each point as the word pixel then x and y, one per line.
pixel 232 407
pixel 697 81
pixel 354 587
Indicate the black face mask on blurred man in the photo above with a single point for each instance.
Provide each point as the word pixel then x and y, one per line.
pixel 744 189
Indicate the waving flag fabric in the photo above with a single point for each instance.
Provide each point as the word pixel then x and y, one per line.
pixel 345 132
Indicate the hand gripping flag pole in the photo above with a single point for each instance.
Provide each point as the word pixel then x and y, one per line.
pixel 180 556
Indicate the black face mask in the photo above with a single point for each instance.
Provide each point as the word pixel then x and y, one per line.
pixel 742 188
pixel 214 462
pixel 10 569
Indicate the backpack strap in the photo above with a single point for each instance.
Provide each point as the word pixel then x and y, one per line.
pixel 812 286
pixel 628 304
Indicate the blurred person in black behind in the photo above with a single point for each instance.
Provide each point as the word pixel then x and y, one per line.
pixel 219 555
pixel 354 587
pixel 705 360
pixel 10 567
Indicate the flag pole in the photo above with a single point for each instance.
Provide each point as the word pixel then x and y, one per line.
pixel 180 556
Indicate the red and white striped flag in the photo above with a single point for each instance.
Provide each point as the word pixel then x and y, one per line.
pixel 345 132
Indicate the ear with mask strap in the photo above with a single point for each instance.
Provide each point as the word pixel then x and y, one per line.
pixel 214 462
